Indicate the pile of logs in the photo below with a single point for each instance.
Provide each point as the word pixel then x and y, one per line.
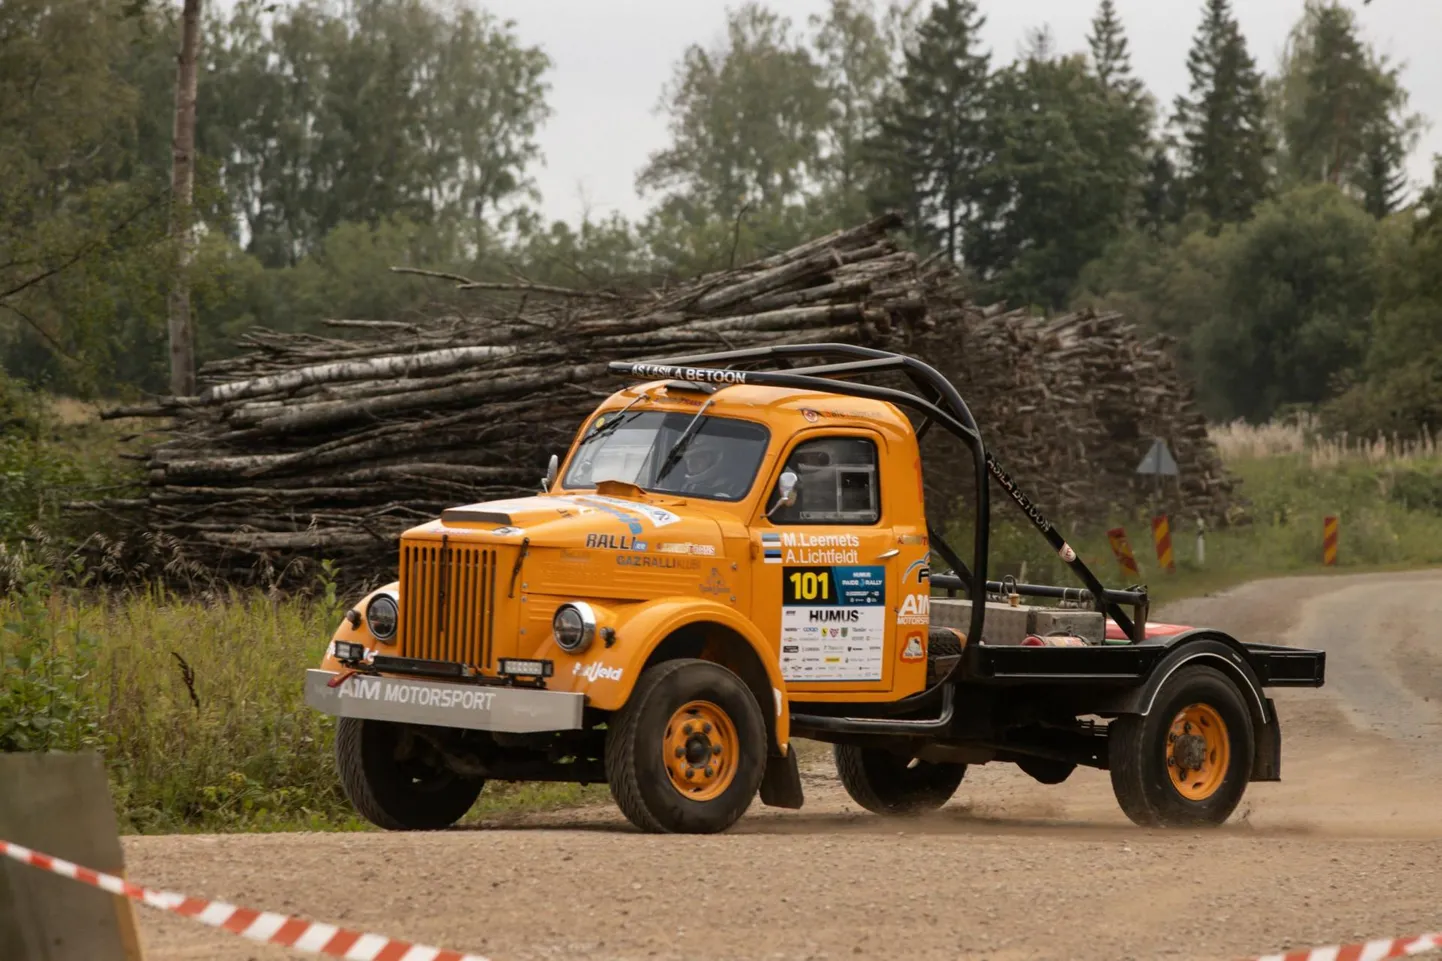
pixel 304 447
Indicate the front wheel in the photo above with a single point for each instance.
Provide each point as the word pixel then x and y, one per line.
pixel 398 781
pixel 894 784
pixel 686 753
pixel 1187 762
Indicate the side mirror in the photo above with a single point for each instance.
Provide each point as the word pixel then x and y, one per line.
pixel 786 491
pixel 553 467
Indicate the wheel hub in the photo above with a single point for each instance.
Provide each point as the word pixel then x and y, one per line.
pixel 1198 751
pixel 700 750
pixel 1190 752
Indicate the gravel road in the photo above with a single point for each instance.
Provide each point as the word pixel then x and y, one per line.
pixel 1348 846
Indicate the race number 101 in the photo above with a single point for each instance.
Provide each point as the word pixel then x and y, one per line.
pixel 808 585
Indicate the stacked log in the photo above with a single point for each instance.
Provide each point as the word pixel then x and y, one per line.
pixel 305 446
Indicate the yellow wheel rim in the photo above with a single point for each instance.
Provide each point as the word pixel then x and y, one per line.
pixel 701 750
pixel 1198 752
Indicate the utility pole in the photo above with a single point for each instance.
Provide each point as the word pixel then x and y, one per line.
pixel 182 200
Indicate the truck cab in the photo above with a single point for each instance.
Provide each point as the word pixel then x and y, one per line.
pixel 722 560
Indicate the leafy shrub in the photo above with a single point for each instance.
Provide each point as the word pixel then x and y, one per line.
pixel 1418 489
pixel 46 664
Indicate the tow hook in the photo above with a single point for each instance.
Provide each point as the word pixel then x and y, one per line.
pixel 341 678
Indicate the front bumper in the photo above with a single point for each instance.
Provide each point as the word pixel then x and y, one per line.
pixel 439 704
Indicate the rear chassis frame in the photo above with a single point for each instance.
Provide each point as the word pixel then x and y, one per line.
pixel 1000 681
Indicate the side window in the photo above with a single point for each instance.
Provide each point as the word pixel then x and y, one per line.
pixel 837 483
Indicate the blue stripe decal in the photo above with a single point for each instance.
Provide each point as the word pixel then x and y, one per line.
pixel 630 521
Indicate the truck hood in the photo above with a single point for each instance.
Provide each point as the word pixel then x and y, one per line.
pixel 597 546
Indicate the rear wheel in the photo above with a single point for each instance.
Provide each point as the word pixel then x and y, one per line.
pixel 687 752
pixel 893 784
pixel 398 781
pixel 1188 761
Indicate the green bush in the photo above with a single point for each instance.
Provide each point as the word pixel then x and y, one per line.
pixel 44 463
pixel 1415 488
pixel 46 662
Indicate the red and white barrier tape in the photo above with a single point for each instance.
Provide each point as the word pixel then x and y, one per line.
pixel 262 926
pixel 316 938
pixel 1371 951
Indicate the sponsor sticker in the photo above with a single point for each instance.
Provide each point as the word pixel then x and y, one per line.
pixel 913 650
pixel 659 561
pixel 1066 552
pixel 615 542
pixel 685 547
pixel 915 609
pixel 835 618
pixel 715 585
pixel 422 695
pixel 596 671
pixel 813 414
pixel 695 375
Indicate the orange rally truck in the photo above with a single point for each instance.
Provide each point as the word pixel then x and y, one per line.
pixel 735 553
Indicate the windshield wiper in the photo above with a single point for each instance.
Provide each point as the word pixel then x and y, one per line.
pixel 677 449
pixel 610 425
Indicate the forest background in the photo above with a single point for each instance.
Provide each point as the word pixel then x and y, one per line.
pixel 1263 219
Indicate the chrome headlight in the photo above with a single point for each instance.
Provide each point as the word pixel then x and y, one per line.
pixel 574 627
pixel 382 616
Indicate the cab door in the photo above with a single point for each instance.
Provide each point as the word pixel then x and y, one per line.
pixel 826 568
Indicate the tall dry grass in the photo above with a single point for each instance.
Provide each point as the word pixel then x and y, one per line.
pixel 1302 436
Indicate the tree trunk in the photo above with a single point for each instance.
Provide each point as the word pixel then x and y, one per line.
pixel 182 196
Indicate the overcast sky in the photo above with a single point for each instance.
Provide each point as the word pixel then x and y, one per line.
pixel 611 57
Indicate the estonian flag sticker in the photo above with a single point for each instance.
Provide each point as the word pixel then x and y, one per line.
pixel 771 548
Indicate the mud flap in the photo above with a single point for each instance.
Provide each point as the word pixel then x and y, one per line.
pixel 781 783
pixel 1267 759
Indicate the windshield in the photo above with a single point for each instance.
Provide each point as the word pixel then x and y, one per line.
pixel 718 461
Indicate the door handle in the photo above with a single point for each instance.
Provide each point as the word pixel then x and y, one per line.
pixel 891 553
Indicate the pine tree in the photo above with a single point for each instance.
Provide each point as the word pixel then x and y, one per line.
pixel 1381 176
pixel 1161 202
pixel 1111 56
pixel 930 134
pixel 1054 191
pixel 1131 109
pixel 1225 145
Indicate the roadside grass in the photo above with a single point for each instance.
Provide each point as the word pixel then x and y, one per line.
pixel 1386 494
pixel 197 704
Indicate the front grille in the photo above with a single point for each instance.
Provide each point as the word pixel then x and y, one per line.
pixel 448 602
